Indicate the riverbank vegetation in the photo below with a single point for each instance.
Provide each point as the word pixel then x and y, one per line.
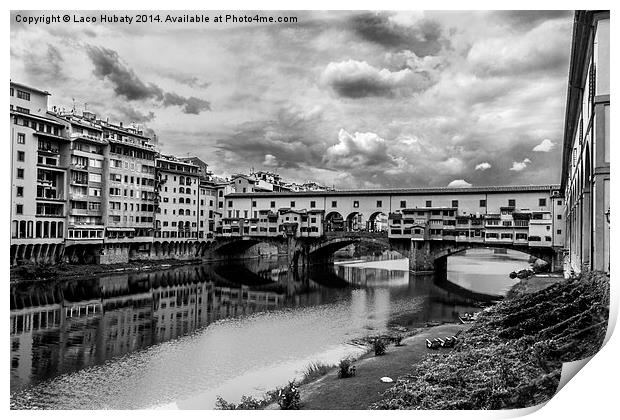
pixel 512 356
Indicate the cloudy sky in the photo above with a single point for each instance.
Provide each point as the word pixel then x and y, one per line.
pixel 351 99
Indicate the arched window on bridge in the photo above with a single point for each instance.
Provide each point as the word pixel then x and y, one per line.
pixel 355 222
pixel 378 222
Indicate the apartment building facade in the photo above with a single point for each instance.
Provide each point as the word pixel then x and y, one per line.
pixel 84 190
pixel 38 177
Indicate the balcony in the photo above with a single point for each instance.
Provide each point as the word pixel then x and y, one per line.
pixel 50 197
pixel 48 150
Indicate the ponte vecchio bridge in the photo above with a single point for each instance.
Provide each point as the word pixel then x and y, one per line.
pixel 424 224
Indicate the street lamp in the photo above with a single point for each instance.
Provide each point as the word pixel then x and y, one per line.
pixel 607 215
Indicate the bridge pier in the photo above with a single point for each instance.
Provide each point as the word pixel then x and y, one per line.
pixel 421 257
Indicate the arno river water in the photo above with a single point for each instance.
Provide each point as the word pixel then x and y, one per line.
pixel 177 338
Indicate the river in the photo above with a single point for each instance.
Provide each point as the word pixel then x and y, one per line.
pixel 178 338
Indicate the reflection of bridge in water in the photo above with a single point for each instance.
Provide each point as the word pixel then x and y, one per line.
pixel 59 327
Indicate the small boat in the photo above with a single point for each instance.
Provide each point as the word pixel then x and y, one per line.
pixel 435 344
pixel 468 317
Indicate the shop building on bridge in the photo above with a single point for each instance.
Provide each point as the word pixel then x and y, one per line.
pixel 517 215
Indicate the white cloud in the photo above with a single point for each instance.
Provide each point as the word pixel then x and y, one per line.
pixel 483 166
pixel 459 183
pixel 270 160
pixel 519 166
pixel 358 150
pixel 545 146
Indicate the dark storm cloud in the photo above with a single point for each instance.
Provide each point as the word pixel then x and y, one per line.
pixel 358 79
pixel 131 114
pixel 290 137
pixel 423 38
pixel 108 66
pixel 191 105
pixel 46 68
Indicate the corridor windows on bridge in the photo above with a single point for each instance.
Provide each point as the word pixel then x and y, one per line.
pixel 272 204
pixel 429 203
pixel 313 204
pixel 379 203
pixel 356 204
pixel 512 203
pixel 403 204
pixel 292 204
pixel 542 202
pixel 253 203
pixel 483 203
pixel 455 203
pixel 334 204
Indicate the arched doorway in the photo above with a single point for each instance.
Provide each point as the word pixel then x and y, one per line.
pixel 334 222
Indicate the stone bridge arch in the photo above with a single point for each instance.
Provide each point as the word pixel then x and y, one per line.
pixel 428 256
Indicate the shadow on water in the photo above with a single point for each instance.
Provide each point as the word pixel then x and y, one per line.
pixel 63 327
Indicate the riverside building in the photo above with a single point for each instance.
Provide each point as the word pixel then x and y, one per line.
pixel 586 151
pixel 38 177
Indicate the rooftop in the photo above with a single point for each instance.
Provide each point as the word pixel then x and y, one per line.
pixel 403 191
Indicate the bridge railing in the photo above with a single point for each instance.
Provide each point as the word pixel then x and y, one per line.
pixel 356 234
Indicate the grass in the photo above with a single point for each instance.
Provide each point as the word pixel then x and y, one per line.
pixel 512 356
pixel 314 371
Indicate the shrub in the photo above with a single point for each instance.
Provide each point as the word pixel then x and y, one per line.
pixel 379 346
pixel 288 397
pixel 247 403
pixel 345 369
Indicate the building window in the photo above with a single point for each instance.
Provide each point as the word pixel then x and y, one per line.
pixel 23 95
pixel 253 203
pixel 272 204
pixel 559 231
pixel 455 203
pixel 542 202
pixel 559 202
pixel 312 204
pixel 292 204
pixel 429 203
pixel 512 203
pixel 20 191
pixel 334 204
pixel 21 156
pixel 21 138
pixel 20 173
pixel 483 203
pixel 19 209
pixel 403 204
pixel 230 203
pixel 356 204
pixel 559 217
pixel 379 203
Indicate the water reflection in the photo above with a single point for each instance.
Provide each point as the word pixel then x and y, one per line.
pixel 188 333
